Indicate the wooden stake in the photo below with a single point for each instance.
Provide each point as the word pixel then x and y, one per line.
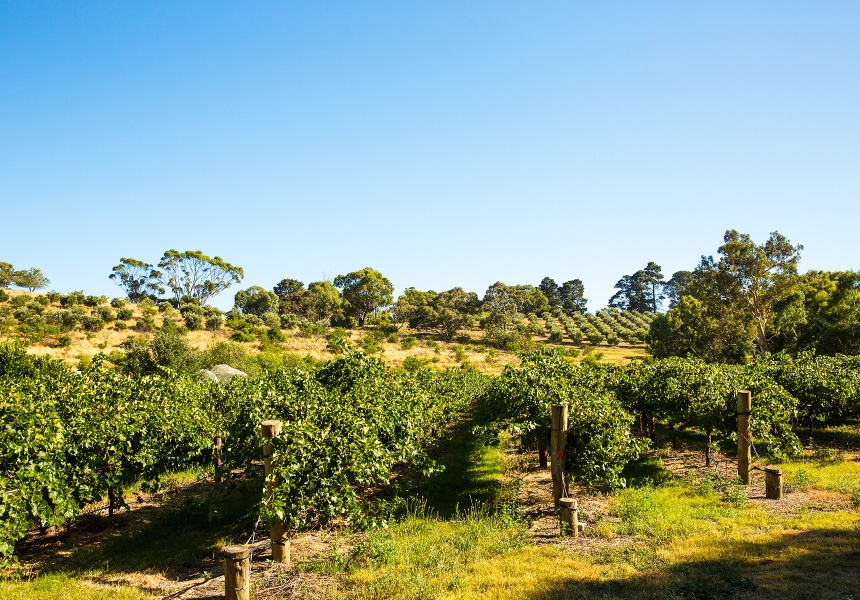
pixel 218 459
pixel 744 449
pixel 773 483
pixel 568 515
pixel 237 573
pixel 280 541
pixel 557 444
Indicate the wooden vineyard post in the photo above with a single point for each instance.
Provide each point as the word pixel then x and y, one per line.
pixel 773 483
pixel 744 453
pixel 218 459
pixel 568 516
pixel 557 444
pixel 237 573
pixel 280 542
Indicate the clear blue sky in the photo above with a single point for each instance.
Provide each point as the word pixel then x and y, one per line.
pixel 443 143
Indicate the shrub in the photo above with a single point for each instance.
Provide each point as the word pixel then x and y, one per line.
pixel 124 314
pixel 72 299
pixel 43 300
pixel 243 336
pixel 393 338
pixel 459 353
pixel 171 326
pixel 64 341
pixel 214 321
pixel 120 325
pixel 4 296
pixel 193 321
pixel 338 340
pixel 93 323
pixel 20 301
pixel 434 345
pixel 118 303
pixel 53 296
pixel 93 301
pixel 370 344
pixel 104 313
pixel 414 363
pixel 290 321
pixel 272 320
pixel 409 342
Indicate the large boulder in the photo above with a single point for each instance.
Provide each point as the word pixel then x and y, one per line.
pixel 207 375
pixel 226 372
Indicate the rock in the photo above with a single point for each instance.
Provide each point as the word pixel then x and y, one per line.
pixel 207 375
pixel 226 372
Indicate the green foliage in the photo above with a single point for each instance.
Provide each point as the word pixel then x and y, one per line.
pixel 139 279
pixel 193 274
pixel 599 443
pixel 409 342
pixel 4 295
pixel 124 314
pixel 31 279
pixel 255 301
pixel 364 292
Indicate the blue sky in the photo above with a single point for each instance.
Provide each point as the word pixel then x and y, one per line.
pixel 442 143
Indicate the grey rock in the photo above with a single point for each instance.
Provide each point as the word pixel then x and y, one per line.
pixel 226 372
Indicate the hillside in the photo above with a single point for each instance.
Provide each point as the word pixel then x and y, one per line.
pixel 73 328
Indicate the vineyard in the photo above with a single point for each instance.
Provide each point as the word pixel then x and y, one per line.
pixel 352 426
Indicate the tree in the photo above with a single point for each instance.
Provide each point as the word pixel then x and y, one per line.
pixel 453 310
pixel 192 273
pixel 572 297
pixel 7 274
pixel 677 286
pixel 139 279
pixel 255 301
pixel 32 279
pixel 654 278
pixel 693 329
pixel 641 291
pixel 364 291
pixel 632 294
pixel 414 308
pixel 753 278
pixel 552 292
pixel 501 305
pixel 322 301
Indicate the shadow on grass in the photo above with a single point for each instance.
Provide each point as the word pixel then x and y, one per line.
pixel 170 538
pixel 814 564
pixel 471 474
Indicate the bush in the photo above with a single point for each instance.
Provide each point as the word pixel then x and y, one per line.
pixel 104 313
pixel 20 301
pixel 124 314
pixel 272 320
pixel 370 344
pixel 214 321
pixel 42 300
pixel 93 301
pixel 4 296
pixel 64 341
pixel 243 336
pixel 290 321
pixel 414 363
pixel 459 353
pixel 118 303
pixel 93 323
pixel 194 321
pixel 53 296
pixel 120 325
pixel 72 299
pixel 171 326
pixel 434 345
pixel 338 340
pixel 393 338
pixel 409 342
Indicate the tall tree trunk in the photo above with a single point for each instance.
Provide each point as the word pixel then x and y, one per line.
pixel 651 433
pixel 674 437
